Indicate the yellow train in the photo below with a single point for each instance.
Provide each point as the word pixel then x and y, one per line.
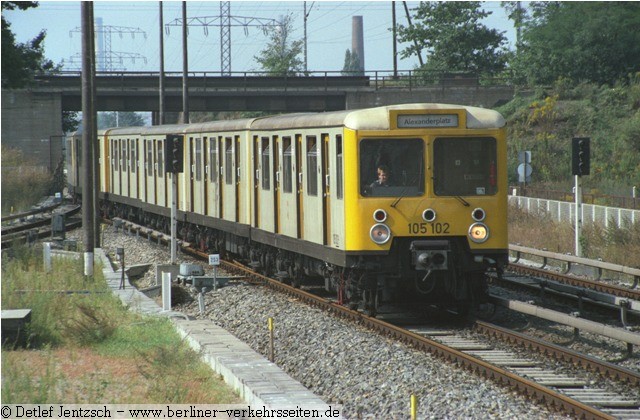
pixel 403 204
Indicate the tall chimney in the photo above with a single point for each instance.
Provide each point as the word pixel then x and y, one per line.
pixel 357 39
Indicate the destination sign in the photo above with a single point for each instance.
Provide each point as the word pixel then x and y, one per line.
pixel 427 120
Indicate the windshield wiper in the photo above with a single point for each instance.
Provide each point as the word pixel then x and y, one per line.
pixel 400 197
pixel 462 200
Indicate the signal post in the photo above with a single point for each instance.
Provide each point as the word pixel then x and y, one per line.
pixel 174 164
pixel 580 165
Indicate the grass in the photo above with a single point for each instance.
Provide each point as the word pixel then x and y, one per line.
pixel 86 348
pixel 612 244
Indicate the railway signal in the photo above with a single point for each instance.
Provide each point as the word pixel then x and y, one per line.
pixel 174 153
pixel 580 162
pixel 580 156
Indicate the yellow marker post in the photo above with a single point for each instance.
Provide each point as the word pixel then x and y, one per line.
pixel 414 407
pixel 271 351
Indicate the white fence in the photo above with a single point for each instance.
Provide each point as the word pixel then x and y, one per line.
pixel 564 211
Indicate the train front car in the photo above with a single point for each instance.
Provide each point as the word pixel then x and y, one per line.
pixel 427 216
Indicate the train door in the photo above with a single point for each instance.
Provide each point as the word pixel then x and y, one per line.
pixel 151 182
pixel 312 196
pixel 124 167
pixel 115 159
pixel 276 183
pixel 326 190
pixel 265 184
pixel 198 197
pixel 240 195
pixel 161 179
pixel 205 176
pixel 337 196
pixel 256 181
pixel 299 186
pixel 212 187
pixel 136 167
pixel 221 158
pixel 287 196
pixel 133 174
pixel 190 175
pixel 229 188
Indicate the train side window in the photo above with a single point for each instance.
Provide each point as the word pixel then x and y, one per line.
pixel 213 160
pixel 134 155
pixel 312 166
pixel 228 160
pixel 116 155
pixel 160 160
pixel 265 157
pixel 198 159
pixel 339 190
pixel 287 158
pixel 149 158
pixel 125 155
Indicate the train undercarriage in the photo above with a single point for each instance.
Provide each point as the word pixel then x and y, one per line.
pixel 414 273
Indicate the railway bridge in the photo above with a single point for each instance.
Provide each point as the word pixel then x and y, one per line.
pixel 31 118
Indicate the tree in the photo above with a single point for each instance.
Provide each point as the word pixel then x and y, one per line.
pixel 352 65
pixel 581 42
pixel 281 56
pixel 119 119
pixel 454 38
pixel 22 61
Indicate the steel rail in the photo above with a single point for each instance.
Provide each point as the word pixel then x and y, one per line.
pixel 67 211
pixel 29 213
pixel 607 369
pixel 522 385
pixel 599 286
pixel 501 376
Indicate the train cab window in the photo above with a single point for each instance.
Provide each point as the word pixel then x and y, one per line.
pixel 312 166
pixel 265 157
pixel 339 190
pixel 228 160
pixel 213 160
pixel 464 166
pixel 287 160
pixel 391 167
pixel 198 159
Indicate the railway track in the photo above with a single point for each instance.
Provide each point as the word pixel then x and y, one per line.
pixel 563 393
pixel 37 224
pixel 571 395
pixel 586 283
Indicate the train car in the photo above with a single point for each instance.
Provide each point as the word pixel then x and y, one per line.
pixel 403 204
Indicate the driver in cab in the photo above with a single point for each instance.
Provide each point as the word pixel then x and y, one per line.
pixel 383 177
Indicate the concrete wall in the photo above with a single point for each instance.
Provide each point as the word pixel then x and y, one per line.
pixel 32 123
pixel 482 96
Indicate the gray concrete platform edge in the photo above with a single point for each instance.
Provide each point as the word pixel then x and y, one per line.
pixel 258 381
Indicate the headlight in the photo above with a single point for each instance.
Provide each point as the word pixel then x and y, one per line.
pixel 380 233
pixel 478 214
pixel 379 215
pixel 478 232
pixel 429 215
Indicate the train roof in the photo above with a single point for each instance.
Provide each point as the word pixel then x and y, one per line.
pixel 144 130
pixel 375 118
pixel 360 119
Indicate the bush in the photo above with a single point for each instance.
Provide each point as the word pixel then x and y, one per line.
pixel 23 183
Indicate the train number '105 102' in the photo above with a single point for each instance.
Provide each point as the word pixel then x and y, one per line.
pixel 428 228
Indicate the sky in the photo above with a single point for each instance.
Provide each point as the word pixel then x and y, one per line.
pixel 134 29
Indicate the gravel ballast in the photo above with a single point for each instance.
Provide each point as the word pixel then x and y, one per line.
pixel 369 375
